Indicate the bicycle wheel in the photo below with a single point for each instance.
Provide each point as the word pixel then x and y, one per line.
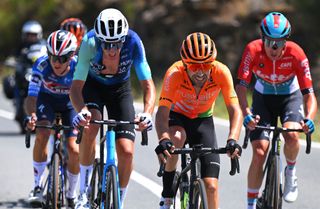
pixel 55 181
pixel 94 190
pixel 272 194
pixel 112 196
pixel 199 197
pixel 181 191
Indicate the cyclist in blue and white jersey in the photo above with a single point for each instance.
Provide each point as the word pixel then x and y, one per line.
pixel 102 78
pixel 48 93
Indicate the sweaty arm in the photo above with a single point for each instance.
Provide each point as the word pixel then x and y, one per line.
pixel 149 95
pixel 310 102
pixel 162 122
pixel 242 96
pixel 143 72
pixel 87 50
pixel 235 119
pixel 76 95
pixel 232 103
pixel 30 105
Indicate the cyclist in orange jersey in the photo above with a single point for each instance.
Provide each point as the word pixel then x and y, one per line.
pixel 283 84
pixel 186 103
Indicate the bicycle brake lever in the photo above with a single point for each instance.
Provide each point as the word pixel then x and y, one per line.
pixel 79 136
pixel 235 166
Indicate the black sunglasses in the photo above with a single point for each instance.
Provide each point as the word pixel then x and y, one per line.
pixel 274 44
pixel 61 59
pixel 112 45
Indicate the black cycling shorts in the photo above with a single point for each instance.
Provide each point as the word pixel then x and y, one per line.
pixel 118 101
pixel 270 107
pixel 200 131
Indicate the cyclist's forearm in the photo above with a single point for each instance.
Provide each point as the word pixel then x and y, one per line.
pixel 310 105
pixel 149 96
pixel 242 96
pixel 30 105
pixel 76 95
pixel 235 118
pixel 162 122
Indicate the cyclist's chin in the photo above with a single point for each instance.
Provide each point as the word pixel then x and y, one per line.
pixel 274 55
pixel 59 70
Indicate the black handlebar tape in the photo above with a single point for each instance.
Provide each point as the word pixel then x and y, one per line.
pixel 79 136
pixel 246 138
pixel 161 170
pixel 144 135
pixel 27 139
pixel 308 148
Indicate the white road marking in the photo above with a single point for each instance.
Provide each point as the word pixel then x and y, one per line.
pixel 6 114
pixel 147 183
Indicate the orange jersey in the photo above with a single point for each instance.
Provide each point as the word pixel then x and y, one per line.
pixel 179 95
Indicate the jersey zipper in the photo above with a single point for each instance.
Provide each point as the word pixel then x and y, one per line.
pixel 273 81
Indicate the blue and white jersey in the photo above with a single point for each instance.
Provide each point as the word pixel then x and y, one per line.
pixel 132 53
pixel 44 80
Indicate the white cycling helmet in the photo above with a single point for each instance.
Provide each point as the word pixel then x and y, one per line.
pixel 32 26
pixel 61 42
pixel 111 26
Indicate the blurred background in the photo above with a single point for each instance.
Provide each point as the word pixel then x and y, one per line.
pixel 163 24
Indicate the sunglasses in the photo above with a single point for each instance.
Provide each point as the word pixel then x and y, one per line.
pixel 197 67
pixel 274 44
pixel 112 45
pixel 61 59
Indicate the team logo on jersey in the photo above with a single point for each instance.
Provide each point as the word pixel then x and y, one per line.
pixel 285 65
pixel 42 65
pixel 246 62
pixel 41 107
pixel 96 68
pixel 306 68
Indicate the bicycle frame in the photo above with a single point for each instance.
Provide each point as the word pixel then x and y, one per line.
pixel 57 127
pixel 110 161
pixel 272 192
pixel 110 142
pixel 193 166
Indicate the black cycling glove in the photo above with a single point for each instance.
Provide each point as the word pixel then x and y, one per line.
pixel 164 144
pixel 232 146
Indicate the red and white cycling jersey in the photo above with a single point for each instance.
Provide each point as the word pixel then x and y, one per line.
pixel 284 76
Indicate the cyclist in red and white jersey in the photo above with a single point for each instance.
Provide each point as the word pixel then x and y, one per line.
pixel 283 88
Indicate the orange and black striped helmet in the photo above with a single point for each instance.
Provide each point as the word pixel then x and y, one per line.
pixel 75 26
pixel 198 48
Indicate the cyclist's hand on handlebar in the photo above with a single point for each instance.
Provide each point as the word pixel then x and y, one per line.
pixel 250 121
pixel 233 148
pixel 307 125
pixel 145 121
pixel 30 122
pixel 164 148
pixel 82 118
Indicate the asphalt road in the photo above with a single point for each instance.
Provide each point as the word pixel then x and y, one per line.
pixel 16 175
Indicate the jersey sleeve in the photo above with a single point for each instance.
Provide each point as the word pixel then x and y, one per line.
pixel 245 68
pixel 37 75
pixel 140 63
pixel 169 87
pixel 87 49
pixel 302 69
pixel 226 84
